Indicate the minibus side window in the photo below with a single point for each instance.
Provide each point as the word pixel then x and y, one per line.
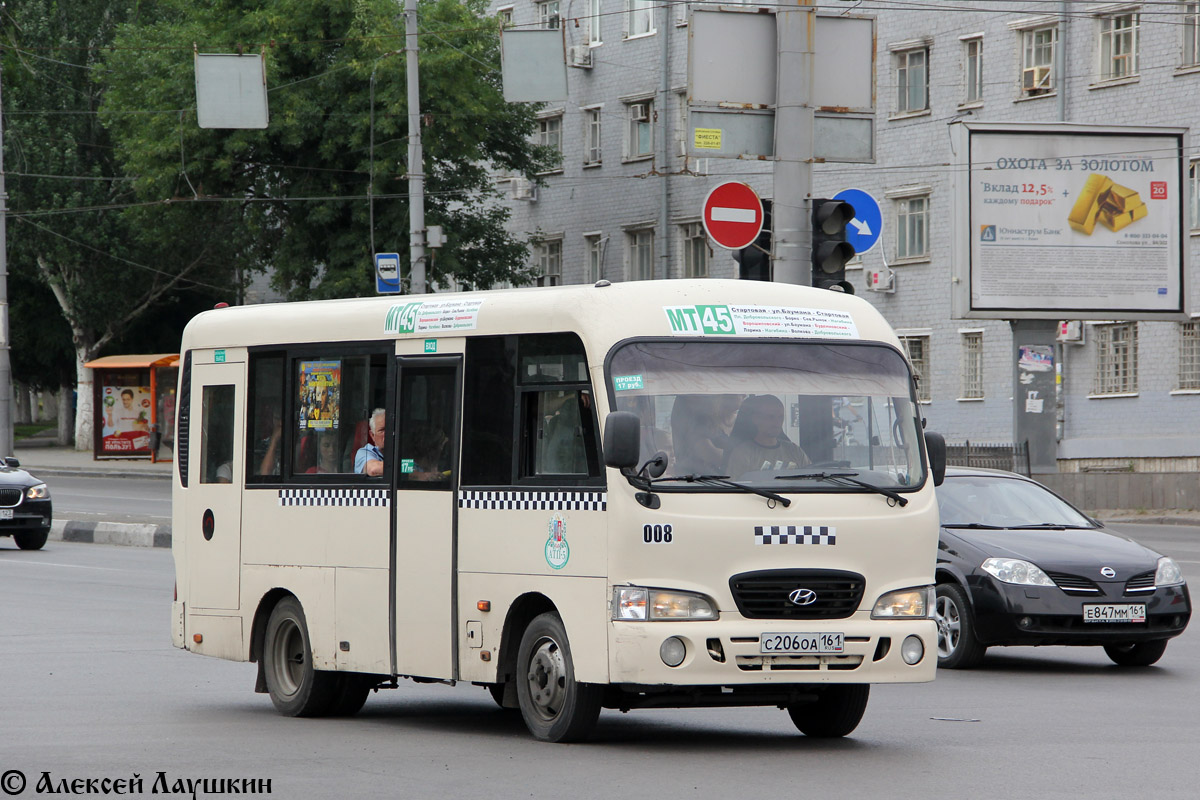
pixel 216 437
pixel 264 454
pixel 558 418
pixel 332 399
pixel 489 400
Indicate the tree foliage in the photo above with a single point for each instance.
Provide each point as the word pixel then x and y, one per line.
pixel 293 197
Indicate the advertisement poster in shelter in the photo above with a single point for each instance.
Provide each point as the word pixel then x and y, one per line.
pixel 320 394
pixel 1083 220
pixel 126 412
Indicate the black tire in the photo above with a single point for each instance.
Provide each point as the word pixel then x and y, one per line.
pixel 957 646
pixel 350 694
pixel 835 713
pixel 31 540
pixel 555 707
pixel 296 688
pixel 1141 654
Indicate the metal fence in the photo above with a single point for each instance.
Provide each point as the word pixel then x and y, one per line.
pixel 1013 457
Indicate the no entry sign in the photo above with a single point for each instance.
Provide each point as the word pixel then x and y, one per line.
pixel 733 215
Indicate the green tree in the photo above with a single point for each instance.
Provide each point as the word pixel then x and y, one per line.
pixel 297 191
pixel 75 232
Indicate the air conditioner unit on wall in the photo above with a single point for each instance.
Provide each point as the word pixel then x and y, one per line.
pixel 639 112
pixel 580 56
pixel 1070 331
pixel 1035 80
pixel 523 189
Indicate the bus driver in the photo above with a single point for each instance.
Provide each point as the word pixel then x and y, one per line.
pixel 369 458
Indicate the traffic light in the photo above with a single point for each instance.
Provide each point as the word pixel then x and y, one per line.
pixel 830 250
pixel 754 262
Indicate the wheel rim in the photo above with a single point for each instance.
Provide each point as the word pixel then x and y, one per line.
pixel 288 661
pixel 547 679
pixel 949 625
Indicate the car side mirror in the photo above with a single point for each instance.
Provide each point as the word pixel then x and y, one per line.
pixel 10 461
pixel 622 440
pixel 935 445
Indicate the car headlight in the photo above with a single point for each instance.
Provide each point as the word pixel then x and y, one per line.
pixel 39 492
pixel 916 602
pixel 640 603
pixel 1168 573
pixel 1016 571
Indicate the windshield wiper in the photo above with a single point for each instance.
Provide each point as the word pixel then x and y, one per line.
pixel 723 480
pixel 1053 526
pixel 977 526
pixel 848 477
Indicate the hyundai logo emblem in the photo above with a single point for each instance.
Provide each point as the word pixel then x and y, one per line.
pixel 802 597
pixel 1108 572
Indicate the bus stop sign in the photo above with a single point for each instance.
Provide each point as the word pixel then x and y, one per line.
pixel 387 273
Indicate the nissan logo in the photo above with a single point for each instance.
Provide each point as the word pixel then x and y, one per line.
pixel 802 597
pixel 1108 572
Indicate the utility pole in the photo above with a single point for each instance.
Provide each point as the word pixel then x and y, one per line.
pixel 416 158
pixel 791 214
pixel 6 387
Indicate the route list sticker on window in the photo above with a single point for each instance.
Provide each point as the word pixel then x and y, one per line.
pixel 817 323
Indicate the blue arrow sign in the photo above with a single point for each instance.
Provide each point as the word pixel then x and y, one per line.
pixel 864 230
pixel 387 273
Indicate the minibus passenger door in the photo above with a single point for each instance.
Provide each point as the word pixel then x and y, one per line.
pixel 425 434
pixel 213 499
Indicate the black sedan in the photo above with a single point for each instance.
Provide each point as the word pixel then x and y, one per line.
pixel 25 511
pixel 1018 565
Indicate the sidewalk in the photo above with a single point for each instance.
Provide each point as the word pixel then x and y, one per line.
pixel 67 461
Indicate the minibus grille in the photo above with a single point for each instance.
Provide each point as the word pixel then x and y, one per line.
pixel 768 594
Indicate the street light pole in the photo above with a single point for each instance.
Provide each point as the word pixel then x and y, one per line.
pixel 416 158
pixel 791 211
pixel 6 387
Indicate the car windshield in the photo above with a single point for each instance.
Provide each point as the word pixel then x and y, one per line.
pixel 983 500
pixel 773 414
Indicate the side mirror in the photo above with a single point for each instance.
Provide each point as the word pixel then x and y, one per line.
pixel 935 445
pixel 657 465
pixel 622 440
pixel 10 461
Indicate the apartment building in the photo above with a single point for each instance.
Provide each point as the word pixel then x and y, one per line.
pixel 625 202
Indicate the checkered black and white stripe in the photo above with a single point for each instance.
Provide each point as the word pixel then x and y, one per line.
pixel 534 501
pixel 334 497
pixel 795 534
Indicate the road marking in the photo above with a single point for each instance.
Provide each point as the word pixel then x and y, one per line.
pixel 69 566
pixel 720 214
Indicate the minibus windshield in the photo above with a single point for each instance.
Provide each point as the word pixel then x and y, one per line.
pixel 772 414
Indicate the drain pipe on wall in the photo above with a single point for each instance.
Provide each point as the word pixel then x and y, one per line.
pixel 1060 61
pixel 664 167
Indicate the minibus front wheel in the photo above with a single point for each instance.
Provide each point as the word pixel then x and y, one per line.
pixel 555 706
pixel 296 688
pixel 836 711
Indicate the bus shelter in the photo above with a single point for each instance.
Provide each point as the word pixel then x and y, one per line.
pixel 134 399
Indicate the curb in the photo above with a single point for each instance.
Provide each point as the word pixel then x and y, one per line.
pixel 121 533
pixel 69 472
pixel 1159 520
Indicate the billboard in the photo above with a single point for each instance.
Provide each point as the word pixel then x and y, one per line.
pixel 1058 221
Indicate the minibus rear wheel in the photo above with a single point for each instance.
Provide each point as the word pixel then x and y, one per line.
pixel 555 706
pixel 836 712
pixel 296 688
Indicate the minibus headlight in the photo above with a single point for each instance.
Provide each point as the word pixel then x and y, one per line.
pixel 39 492
pixel 914 603
pixel 640 603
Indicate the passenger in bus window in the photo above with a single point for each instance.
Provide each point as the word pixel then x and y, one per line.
pixel 369 458
pixel 427 444
pixel 267 448
pixel 327 453
pixel 759 441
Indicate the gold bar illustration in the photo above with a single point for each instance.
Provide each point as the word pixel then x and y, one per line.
pixel 1083 215
pixel 1115 221
pixel 1120 198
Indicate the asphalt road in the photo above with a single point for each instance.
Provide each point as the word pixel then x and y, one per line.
pixel 99 499
pixel 91 688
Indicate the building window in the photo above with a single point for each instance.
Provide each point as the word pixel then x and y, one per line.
pixel 1194 196
pixel 505 16
pixel 912 80
pixel 640 143
pixel 912 226
pixel 1037 62
pixel 1116 359
pixel 972 365
pixel 640 17
pixel 592 34
pixel 547 12
pixel 641 254
pixel 973 53
pixel 695 250
pixel 1191 34
pixel 1189 355
pixel 917 349
pixel 595 257
pixel 550 132
pixel 548 257
pixel 1118 46
pixel 592 119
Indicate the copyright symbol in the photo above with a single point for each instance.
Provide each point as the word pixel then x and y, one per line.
pixel 13 781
